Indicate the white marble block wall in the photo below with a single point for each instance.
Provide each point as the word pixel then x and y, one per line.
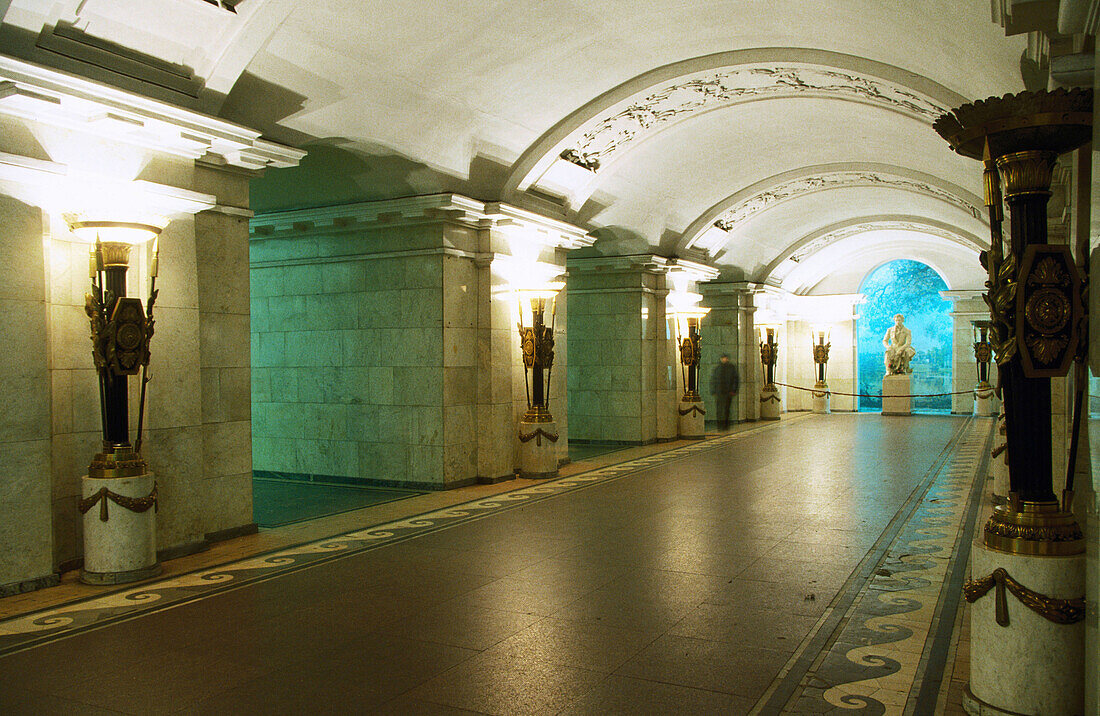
pixel 719 335
pixel 619 383
pixel 348 360
pixel 383 348
pixel 25 428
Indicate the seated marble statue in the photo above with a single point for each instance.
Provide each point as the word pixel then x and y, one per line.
pixel 898 343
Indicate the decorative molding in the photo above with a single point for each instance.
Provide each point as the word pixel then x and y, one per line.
pixel 40 94
pixel 798 251
pixel 642 103
pixel 608 134
pixel 746 209
pixel 455 208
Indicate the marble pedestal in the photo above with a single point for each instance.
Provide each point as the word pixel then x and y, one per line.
pixel 124 547
pixel 538 456
pixel 691 419
pixel 983 402
pixel 821 398
pixel 895 395
pixel 1032 666
pixel 770 406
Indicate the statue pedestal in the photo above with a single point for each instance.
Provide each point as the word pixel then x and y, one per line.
pixel 983 401
pixel 122 548
pixel 538 456
pixel 895 395
pixel 821 398
pixel 691 419
pixel 770 406
pixel 1033 665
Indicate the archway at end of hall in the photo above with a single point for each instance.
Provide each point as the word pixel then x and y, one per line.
pixel 912 289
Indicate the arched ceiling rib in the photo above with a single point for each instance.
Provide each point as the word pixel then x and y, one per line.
pixel 599 132
pixel 721 222
pixel 804 248
pixel 841 267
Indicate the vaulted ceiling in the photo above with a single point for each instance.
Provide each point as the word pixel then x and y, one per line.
pixel 784 141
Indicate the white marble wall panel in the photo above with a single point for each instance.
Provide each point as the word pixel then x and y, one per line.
pixel 25 431
pixel 720 335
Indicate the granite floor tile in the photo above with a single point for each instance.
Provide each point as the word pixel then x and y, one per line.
pixel 464 626
pixel 682 588
pixel 768 629
pixel 739 669
pixel 497 684
pixel 624 695
pixel 584 645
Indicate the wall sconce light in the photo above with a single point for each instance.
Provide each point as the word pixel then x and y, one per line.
pixel 119 544
pixel 538 458
pixel 769 354
pixel 689 339
pixel 687 315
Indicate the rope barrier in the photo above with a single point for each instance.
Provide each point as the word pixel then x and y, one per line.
pixel 830 391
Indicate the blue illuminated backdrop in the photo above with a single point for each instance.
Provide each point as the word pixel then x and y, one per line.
pixel 912 289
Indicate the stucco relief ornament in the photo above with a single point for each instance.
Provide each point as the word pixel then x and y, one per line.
pixel 898 343
pixel 748 208
pixel 714 89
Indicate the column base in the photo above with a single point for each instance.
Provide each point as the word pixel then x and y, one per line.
pixel 538 454
pixel 983 402
pixel 821 398
pixel 691 418
pixel 120 540
pixel 770 405
pixel 1032 665
pixel 895 395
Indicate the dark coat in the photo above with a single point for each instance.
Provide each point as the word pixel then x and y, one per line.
pixel 724 380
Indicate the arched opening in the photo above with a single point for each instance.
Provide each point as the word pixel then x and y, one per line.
pixel 912 289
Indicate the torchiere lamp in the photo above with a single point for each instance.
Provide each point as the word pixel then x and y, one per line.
pixel 819 338
pixel 120 533
pixel 770 408
pixel 983 356
pixel 537 430
pixel 691 413
pixel 1033 546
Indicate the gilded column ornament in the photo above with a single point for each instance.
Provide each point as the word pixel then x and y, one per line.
pixel 769 354
pixel 537 346
pixel 1059 611
pixel 1034 297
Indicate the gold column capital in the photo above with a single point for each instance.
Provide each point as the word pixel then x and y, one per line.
pixel 1027 172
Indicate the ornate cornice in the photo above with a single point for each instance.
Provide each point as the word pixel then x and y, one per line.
pixel 453 208
pixel 40 94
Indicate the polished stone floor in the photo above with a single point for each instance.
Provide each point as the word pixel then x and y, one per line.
pixel 802 567
pixel 278 502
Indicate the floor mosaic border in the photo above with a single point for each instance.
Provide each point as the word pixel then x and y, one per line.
pixel 884 633
pixel 29 630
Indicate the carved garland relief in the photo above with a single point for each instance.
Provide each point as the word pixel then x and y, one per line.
pixel 714 89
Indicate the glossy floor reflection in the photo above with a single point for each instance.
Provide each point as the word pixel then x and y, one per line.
pixel 283 502
pixel 684 586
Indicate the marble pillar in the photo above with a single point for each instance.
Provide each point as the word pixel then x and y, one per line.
pixel 771 406
pixel 123 547
pixel 538 457
pixel 624 370
pixel 691 418
pixel 1032 665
